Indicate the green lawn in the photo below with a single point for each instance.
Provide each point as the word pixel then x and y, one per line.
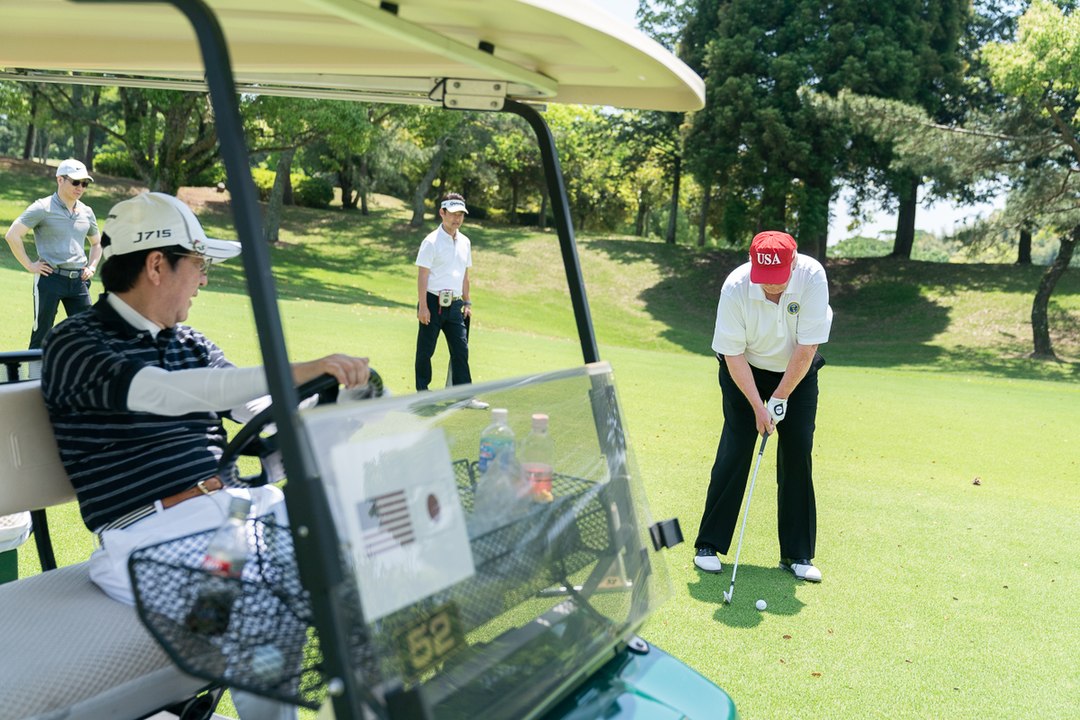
pixel 941 599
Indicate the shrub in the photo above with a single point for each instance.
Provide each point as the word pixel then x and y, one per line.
pixel 117 163
pixel 264 182
pixel 313 192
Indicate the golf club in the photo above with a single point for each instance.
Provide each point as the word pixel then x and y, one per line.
pixel 746 511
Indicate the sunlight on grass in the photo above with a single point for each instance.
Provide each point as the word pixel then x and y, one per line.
pixel 942 597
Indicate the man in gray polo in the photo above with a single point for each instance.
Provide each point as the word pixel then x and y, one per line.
pixel 61 224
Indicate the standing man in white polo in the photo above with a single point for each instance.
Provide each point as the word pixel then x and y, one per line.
pixel 61 224
pixel 772 315
pixel 442 288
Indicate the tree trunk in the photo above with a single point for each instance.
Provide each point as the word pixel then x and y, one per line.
pixel 543 210
pixel 673 214
pixel 287 198
pixel 364 209
pixel 272 221
pixel 1023 255
pixel 1040 320
pixel 78 132
pixel 642 213
pixel 703 221
pixel 905 222
pixel 31 128
pixel 91 133
pixel 773 202
pixel 424 186
pixel 815 226
pixel 513 202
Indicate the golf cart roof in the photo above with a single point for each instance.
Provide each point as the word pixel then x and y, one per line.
pixel 565 51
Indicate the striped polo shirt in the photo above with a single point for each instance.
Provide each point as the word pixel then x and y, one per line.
pixel 119 460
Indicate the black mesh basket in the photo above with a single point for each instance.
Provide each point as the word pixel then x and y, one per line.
pixel 256 633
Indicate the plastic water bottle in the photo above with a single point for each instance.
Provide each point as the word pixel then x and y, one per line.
pixel 538 459
pixel 496 439
pixel 226 555
pixel 501 496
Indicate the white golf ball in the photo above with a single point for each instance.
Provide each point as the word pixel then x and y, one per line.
pixel 761 605
pixel 267 662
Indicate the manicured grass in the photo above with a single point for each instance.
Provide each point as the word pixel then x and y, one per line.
pixel 941 598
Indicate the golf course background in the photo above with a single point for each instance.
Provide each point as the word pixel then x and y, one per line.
pixel 942 598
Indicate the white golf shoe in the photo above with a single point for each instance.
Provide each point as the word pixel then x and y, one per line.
pixel 705 559
pixel 476 404
pixel 802 569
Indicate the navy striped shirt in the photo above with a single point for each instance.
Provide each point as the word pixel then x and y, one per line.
pixel 119 460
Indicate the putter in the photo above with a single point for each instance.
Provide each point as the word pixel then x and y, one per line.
pixel 746 511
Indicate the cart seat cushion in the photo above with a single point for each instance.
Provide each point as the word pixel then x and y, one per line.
pixel 71 652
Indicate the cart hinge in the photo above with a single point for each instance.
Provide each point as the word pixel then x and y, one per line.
pixel 473 94
pixel 666 533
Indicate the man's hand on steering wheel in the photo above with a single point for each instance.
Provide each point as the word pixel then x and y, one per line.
pixel 325 385
pixel 350 372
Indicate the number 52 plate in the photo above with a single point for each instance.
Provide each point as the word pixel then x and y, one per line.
pixel 430 640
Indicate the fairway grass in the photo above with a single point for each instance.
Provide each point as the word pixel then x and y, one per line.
pixel 941 598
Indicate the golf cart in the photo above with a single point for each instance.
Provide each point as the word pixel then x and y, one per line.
pixel 401 588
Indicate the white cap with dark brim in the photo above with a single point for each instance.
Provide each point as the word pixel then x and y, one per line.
pixel 454 205
pixel 154 220
pixel 73 169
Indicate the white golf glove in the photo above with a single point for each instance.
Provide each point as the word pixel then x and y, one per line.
pixel 777 408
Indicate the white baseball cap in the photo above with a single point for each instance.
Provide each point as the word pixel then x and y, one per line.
pixel 73 169
pixel 454 205
pixel 153 220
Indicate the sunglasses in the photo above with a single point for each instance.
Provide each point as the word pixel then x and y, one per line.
pixel 79 183
pixel 203 261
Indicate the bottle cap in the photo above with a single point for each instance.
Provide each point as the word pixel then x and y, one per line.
pixel 239 506
pixel 539 421
pixel 500 414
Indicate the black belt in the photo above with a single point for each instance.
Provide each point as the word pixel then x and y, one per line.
pixel 69 273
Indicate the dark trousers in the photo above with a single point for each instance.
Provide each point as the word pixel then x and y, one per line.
pixel 49 292
pixel 796 513
pixel 450 322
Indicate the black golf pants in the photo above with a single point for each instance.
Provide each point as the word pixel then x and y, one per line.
pixel 450 322
pixel 796 512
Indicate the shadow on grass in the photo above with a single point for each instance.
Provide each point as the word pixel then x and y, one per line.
pixel 773 585
pixel 888 312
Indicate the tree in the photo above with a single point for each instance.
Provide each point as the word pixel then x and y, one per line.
pixel 1031 139
pixel 1041 72
pixel 779 160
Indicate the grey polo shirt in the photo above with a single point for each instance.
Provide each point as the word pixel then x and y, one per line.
pixel 60 234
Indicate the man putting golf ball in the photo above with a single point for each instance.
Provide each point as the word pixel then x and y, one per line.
pixel 772 315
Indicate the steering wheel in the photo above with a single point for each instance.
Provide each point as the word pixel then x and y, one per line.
pixel 248 441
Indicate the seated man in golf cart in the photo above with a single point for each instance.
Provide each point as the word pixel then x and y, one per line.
pixel 136 398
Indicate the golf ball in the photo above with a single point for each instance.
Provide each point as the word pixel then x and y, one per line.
pixel 267 662
pixel 761 605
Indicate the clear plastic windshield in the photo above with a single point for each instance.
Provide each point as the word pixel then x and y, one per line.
pixel 489 581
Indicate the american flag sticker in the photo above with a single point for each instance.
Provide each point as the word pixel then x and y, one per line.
pixel 385 524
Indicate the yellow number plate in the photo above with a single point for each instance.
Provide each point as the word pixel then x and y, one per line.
pixel 430 640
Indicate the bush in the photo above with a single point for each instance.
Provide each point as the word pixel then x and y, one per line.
pixel 313 192
pixel 117 163
pixel 264 182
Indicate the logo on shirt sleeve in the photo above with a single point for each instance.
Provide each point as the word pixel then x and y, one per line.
pixel 793 308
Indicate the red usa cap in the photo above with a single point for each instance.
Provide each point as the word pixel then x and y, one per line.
pixel 771 255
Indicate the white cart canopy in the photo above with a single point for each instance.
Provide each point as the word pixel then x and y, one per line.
pixel 565 51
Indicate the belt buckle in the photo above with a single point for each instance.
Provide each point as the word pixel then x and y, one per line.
pixel 446 298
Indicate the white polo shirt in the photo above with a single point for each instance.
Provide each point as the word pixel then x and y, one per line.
pixel 767 333
pixel 446 258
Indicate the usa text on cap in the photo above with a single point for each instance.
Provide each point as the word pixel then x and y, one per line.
pixel 771 256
